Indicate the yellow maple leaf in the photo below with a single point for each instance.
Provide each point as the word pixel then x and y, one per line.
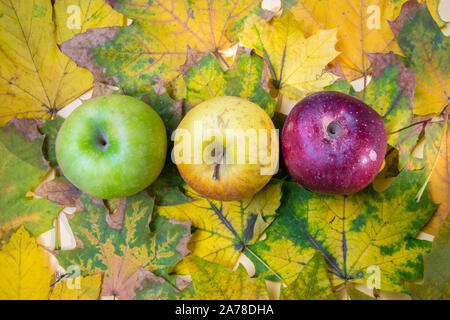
pixel 224 228
pixel 36 79
pixel 84 288
pixel 362 27
pixel 440 177
pixel 24 269
pixel 157 41
pixel 296 63
pixel 76 16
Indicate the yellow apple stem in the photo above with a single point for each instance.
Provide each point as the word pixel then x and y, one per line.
pixel 216 171
pixel 444 133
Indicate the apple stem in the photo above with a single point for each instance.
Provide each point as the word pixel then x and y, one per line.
pixel 444 133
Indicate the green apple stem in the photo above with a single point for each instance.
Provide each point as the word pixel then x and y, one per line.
pixel 444 134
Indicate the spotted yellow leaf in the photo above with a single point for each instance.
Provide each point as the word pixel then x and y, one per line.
pixel 214 282
pixel 355 234
pixel 21 170
pixel 297 64
pixel 312 283
pixel 25 272
pixel 84 288
pixel 427 51
pixel 436 282
pixel 224 228
pixel 157 41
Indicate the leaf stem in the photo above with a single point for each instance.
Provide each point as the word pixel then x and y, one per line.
pixel 444 133
pixel 58 232
pixel 409 126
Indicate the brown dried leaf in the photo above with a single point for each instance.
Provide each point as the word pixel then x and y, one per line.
pixel 78 49
pixel 28 127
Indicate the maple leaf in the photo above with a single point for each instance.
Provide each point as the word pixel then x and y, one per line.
pixel 353 232
pixel 157 41
pixel 21 169
pixel 129 255
pixel 436 283
pixel 215 282
pixel 169 110
pixel 36 78
pixel 296 63
pixel 76 16
pixel 25 272
pixel 362 27
pixel 312 283
pixel 440 178
pixel 426 49
pixel 88 288
pixel 224 228
pixel 207 80
pixel 434 159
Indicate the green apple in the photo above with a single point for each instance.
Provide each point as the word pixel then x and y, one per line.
pixel 112 146
pixel 226 148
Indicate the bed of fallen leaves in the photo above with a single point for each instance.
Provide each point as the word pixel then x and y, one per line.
pixel 168 242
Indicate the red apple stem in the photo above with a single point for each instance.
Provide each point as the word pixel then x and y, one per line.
pixel 444 133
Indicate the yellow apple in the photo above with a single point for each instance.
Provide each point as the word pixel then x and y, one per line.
pixel 226 148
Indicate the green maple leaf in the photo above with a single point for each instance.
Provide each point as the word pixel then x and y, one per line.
pixel 168 109
pixel 352 232
pixel 426 49
pixel 223 229
pixel 129 255
pixel 21 169
pixel 157 41
pixel 207 80
pixel 312 283
pixel 436 284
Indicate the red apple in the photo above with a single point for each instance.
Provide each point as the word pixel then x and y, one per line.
pixel 333 143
